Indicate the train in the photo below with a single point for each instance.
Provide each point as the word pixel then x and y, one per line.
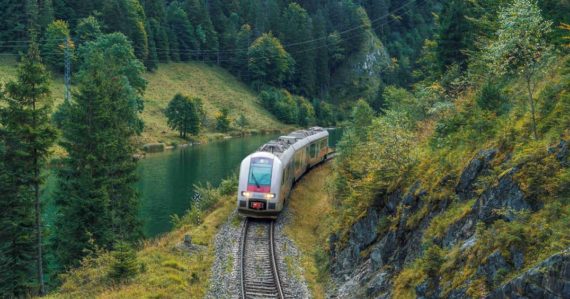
pixel 267 176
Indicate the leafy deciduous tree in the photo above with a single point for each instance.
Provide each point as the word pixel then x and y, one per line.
pixel 520 45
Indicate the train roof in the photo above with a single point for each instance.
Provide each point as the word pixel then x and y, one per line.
pixel 283 143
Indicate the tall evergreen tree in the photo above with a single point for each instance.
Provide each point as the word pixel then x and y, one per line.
pixel 322 60
pixel 96 179
pixel 56 41
pixel 88 30
pixel 183 42
pixel 244 39
pixel 27 135
pixel 46 13
pixel 296 30
pixel 128 17
pixel 13 24
pixel 151 62
pixel 155 11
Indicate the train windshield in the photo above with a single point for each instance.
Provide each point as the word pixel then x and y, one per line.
pixel 260 172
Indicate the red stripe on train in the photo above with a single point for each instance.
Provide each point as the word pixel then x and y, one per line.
pixel 262 189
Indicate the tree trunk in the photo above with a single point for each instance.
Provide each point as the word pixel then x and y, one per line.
pixel 532 110
pixel 40 261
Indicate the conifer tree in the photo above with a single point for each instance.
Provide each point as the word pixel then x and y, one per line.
pixel 125 265
pixel 46 13
pixel 297 28
pixel 88 30
pixel 151 62
pixel 127 16
pixel 183 41
pixel 57 40
pixel 155 11
pixel 244 39
pixel 27 135
pixel 96 179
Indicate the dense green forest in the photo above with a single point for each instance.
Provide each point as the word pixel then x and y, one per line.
pixel 315 49
pixel 423 84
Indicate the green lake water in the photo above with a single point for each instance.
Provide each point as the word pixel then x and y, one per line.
pixel 166 179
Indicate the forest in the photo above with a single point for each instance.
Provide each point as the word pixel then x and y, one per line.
pixel 420 85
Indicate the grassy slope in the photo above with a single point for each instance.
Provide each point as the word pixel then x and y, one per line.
pixel 167 271
pixel 214 85
pixel 310 205
pixel 542 178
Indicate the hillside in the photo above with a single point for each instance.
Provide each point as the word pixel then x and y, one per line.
pixel 214 85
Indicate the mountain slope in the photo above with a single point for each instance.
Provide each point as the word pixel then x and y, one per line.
pixel 214 85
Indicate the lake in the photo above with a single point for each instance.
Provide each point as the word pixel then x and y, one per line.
pixel 166 179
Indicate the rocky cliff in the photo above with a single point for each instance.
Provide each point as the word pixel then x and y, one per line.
pixel 396 246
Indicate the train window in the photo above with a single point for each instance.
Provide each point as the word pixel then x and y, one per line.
pixel 260 172
pixel 313 150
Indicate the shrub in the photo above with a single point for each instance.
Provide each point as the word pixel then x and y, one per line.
pixel 492 99
pixel 125 265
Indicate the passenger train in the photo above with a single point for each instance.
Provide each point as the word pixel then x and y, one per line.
pixel 267 176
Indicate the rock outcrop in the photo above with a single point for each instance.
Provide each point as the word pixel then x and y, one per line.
pixel 367 262
pixel 549 279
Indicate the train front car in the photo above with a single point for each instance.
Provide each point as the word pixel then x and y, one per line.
pixel 259 186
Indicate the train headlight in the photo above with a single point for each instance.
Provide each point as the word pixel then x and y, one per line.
pixel 269 195
pixel 246 194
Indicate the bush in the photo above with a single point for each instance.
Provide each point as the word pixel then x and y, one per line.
pixel 492 99
pixel 125 265
pixel 222 120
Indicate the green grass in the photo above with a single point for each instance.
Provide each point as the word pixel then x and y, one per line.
pixel 309 227
pixel 214 85
pixel 166 270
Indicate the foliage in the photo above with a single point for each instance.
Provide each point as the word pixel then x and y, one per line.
pixel 268 62
pixel 492 98
pixel 26 136
pixel 57 40
pixel 184 114
pixel 362 116
pixel 96 178
pixel 88 30
pixel 520 45
pixel 127 17
pixel 125 265
pixel 222 120
pixel 241 122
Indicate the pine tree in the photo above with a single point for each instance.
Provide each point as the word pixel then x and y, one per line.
pixel 151 62
pixel 183 41
pixel 155 11
pixel 96 179
pixel 125 265
pixel 127 16
pixel 46 13
pixel 88 30
pixel 27 136
pixel 297 28
pixel 57 40
pixel 244 39
pixel 13 24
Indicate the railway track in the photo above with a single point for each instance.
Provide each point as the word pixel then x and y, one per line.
pixel 259 272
